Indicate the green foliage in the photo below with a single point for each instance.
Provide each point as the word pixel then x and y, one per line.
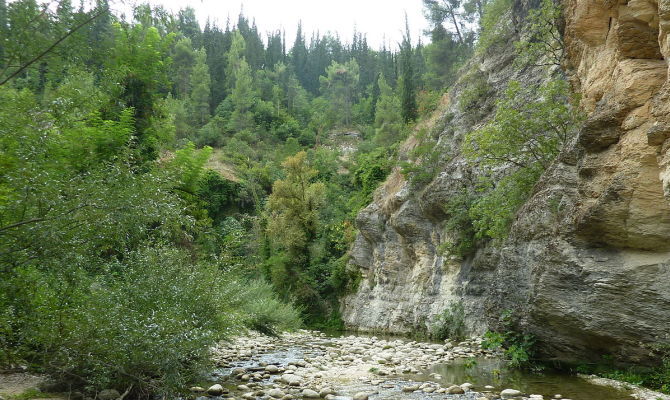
pixel 517 345
pixel 476 89
pixel 495 24
pixel 428 101
pixel 461 240
pixel 423 164
pixel 655 378
pixel 451 323
pixel 388 120
pixel 542 41
pixel 530 127
pixel 338 86
pixel 372 169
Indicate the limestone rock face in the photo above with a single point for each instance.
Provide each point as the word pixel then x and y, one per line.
pixel 587 262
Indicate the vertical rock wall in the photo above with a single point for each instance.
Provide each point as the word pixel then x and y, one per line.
pixel 587 262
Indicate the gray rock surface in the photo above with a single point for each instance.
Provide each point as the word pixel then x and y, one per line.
pixel 587 263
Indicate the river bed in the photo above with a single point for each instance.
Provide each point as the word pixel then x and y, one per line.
pixel 312 365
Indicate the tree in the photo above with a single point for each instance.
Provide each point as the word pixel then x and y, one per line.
pixel 188 26
pixel 531 125
pixel 542 43
pixel 183 58
pixel 388 115
pixel 408 88
pixel 293 209
pixel 438 11
pixel 339 86
pixel 200 82
pixel 243 99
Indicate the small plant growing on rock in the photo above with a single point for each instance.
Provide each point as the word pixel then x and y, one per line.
pixel 451 323
pixel 517 345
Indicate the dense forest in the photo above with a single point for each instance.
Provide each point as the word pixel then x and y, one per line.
pixel 166 185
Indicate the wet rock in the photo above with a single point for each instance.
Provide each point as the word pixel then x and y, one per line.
pixel 196 389
pixel 272 369
pixel 215 390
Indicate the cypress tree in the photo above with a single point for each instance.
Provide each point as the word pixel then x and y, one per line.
pixel 409 106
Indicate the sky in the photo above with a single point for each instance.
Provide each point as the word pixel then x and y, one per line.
pixel 379 19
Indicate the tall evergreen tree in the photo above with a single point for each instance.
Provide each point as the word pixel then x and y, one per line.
pixel 299 57
pixel 408 88
pixel 200 83
pixel 189 27
pixel 183 59
pixel 243 98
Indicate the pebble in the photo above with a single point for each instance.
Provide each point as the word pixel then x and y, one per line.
pixel 310 394
pixel 361 396
pixel 510 393
pixel 215 390
pixel 276 393
pixel 455 390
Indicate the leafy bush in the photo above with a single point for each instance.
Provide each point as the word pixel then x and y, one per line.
pixel 451 323
pixel 423 162
pixel 476 90
pixel 495 24
pixel 530 127
pixel 518 346
pixel 459 226
pixel 542 41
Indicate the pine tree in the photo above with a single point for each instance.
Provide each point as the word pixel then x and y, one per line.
pixel 189 27
pixel 299 58
pixel 200 82
pixel 339 86
pixel 243 98
pixel 234 58
pixel 183 58
pixel 388 118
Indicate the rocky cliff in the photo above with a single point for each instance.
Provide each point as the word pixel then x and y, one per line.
pixel 587 262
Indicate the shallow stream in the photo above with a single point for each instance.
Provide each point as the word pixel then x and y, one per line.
pixel 315 356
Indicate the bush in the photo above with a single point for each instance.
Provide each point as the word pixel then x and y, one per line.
pixel 149 322
pixel 451 323
pixel 495 24
pixel 530 127
pixel 459 225
pixel 518 345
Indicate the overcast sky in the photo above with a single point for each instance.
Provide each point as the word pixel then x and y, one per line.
pixel 379 19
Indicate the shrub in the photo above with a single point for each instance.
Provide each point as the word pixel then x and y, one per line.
pixel 495 24
pixel 459 225
pixel 451 323
pixel 542 42
pixel 530 127
pixel 149 322
pixel 518 345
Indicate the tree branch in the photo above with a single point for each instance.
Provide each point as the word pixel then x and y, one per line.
pixel 56 43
